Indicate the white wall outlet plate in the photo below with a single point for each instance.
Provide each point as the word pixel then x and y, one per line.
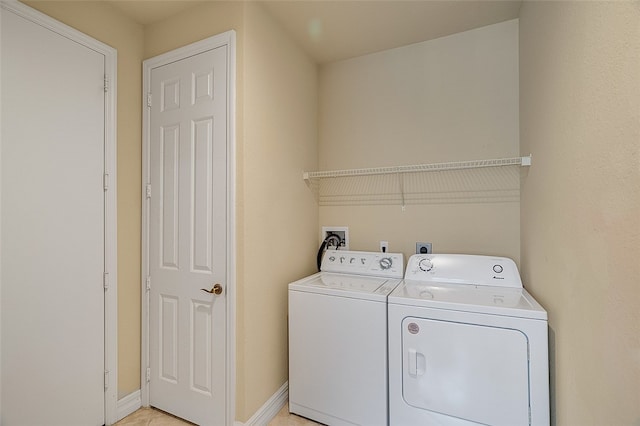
pixel 340 231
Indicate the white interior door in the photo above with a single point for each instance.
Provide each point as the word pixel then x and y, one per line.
pixel 52 227
pixel 187 237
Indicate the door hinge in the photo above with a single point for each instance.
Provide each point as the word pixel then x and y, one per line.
pixel 106 380
pixel 148 190
pixel 106 84
pixel 148 374
pixel 105 181
pixel 106 281
pixel 148 283
pixel 149 99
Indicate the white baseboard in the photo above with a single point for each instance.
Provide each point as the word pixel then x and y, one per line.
pixel 262 417
pixel 269 409
pixel 128 405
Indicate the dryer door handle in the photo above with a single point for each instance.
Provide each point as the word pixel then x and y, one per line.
pixel 416 363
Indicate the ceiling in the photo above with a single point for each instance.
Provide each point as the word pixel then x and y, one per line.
pixel 332 30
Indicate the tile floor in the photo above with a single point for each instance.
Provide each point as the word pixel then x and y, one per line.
pixel 284 418
pixel 153 417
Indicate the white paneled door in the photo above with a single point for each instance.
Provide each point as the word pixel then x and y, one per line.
pixel 187 237
pixel 53 197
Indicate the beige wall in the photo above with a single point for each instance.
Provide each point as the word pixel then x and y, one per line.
pixel 195 24
pixel 449 99
pixel 280 213
pixel 106 24
pixel 580 117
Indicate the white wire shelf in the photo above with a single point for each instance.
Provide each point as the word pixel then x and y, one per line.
pixel 460 181
pixel 434 167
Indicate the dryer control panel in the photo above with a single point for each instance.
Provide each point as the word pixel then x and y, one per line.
pixel 464 269
pixel 388 265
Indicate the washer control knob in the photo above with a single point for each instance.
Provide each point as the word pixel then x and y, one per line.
pixel 342 259
pixel 425 265
pixel 332 258
pixel 386 262
pixel 498 269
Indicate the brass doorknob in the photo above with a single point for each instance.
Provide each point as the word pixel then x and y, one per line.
pixel 217 289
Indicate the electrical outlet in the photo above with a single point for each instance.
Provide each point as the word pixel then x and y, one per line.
pixel 423 248
pixel 384 246
pixel 340 231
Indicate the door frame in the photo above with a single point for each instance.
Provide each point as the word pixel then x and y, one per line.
pixel 225 39
pixel 110 192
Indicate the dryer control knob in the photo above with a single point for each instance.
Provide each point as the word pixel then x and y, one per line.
pixel 425 265
pixel 386 262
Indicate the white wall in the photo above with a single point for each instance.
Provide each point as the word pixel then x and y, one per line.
pixel 449 99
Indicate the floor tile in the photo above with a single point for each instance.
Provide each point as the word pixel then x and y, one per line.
pixel 284 418
pixel 153 417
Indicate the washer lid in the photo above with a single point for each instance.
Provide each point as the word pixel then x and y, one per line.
pixel 507 301
pixel 343 285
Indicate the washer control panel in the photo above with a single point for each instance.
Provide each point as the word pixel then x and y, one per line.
pixel 463 269
pixel 389 265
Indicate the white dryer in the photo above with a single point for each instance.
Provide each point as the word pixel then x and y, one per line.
pixel 467 345
pixel 338 338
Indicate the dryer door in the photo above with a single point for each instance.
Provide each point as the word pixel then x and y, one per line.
pixel 473 372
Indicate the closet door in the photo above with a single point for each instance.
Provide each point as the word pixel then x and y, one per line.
pixel 52 227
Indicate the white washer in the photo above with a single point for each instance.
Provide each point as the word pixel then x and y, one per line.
pixel 467 345
pixel 338 338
